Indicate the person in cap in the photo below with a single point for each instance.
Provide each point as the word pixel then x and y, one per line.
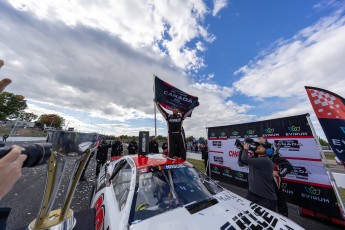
pixel 282 167
pixel 260 178
pixel 176 140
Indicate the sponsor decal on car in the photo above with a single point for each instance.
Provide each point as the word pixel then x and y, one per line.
pixel 174 166
pixel 100 213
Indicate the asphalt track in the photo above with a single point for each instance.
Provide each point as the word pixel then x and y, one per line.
pixel 25 198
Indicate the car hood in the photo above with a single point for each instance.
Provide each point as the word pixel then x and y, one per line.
pixel 231 212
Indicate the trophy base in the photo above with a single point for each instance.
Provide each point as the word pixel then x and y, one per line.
pixel 53 222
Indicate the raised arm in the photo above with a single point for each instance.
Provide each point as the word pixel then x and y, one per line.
pixel 163 112
pixel 186 114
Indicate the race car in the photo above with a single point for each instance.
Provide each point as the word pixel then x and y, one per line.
pixel 158 192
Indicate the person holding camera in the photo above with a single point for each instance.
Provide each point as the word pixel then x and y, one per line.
pixel 261 189
pixel 282 167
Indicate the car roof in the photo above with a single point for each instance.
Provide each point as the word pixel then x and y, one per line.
pixel 151 160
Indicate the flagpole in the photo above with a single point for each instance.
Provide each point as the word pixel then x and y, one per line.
pixel 154 105
pixel 327 168
pixel 208 166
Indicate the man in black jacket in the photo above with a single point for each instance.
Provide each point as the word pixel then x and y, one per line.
pixel 176 141
pixel 102 155
pixel 117 147
pixel 153 146
pixel 132 147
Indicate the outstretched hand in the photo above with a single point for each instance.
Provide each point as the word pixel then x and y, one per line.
pixel 10 169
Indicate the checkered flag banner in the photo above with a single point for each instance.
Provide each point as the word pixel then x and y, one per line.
pixel 330 110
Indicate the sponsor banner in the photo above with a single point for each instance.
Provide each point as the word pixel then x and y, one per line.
pixel 227 175
pixel 298 145
pixel 330 110
pixel 312 196
pixel 296 126
pixel 169 96
pixel 308 173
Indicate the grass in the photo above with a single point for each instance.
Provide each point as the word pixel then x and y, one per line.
pixel 329 156
pixel 342 193
pixel 197 164
pixel 29 132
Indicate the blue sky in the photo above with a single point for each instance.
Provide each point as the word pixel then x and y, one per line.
pixel 93 63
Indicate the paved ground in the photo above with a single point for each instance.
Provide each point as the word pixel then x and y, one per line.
pixel 25 197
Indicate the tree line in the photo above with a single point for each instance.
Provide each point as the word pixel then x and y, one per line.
pixel 12 107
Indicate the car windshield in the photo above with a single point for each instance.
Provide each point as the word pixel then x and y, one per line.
pixel 159 191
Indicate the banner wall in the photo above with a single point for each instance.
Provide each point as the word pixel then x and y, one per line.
pixel 307 185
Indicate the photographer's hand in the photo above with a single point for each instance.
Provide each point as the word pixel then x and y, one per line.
pixel 245 146
pixel 10 169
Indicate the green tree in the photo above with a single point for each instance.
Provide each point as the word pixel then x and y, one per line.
pixel 202 140
pixel 52 120
pixel 11 105
pixel 190 138
pixel 323 142
pixel 27 117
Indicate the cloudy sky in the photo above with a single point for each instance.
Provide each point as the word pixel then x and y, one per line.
pixel 92 62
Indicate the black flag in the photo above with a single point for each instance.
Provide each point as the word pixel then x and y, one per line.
pixel 169 96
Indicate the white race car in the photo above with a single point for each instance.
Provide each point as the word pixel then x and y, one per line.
pixel 156 192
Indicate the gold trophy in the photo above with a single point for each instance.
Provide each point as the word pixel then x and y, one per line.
pixel 63 143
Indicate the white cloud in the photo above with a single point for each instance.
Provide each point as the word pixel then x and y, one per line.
pixel 315 57
pixel 212 88
pixel 166 25
pixel 218 5
pixel 96 80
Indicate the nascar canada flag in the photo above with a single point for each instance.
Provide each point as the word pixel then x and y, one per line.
pixel 169 96
pixel 330 110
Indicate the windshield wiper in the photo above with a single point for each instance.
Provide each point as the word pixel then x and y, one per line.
pixel 198 206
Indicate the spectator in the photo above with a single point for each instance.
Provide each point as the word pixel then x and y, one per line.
pixel 260 179
pixel 196 147
pixel 153 146
pixel 102 155
pixel 165 148
pixel 4 137
pixel 132 147
pixel 117 147
pixel 204 155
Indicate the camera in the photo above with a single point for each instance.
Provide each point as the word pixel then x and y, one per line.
pixel 37 154
pixel 253 144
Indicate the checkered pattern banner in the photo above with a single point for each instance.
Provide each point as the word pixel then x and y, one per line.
pixel 330 110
